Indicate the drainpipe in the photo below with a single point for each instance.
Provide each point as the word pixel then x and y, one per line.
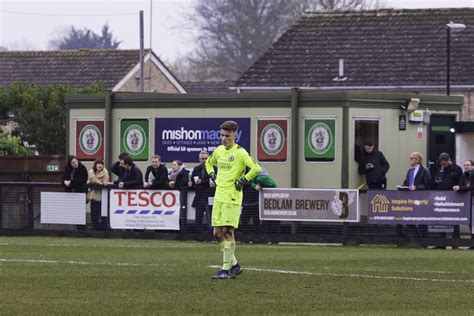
pixel 294 138
pixel 345 146
pixel 108 128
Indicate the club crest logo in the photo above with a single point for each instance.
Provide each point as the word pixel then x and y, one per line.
pixel 134 139
pixel 90 139
pixel 272 139
pixel 230 158
pixel 320 138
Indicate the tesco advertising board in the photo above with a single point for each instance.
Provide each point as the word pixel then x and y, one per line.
pixel 144 209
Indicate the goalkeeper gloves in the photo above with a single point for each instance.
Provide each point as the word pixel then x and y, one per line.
pixel 212 176
pixel 239 184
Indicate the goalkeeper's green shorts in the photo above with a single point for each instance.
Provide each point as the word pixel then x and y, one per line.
pixel 225 214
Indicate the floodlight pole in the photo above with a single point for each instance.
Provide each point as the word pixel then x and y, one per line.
pixel 141 83
pixel 448 60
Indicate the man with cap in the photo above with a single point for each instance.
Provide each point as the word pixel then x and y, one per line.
pixel 373 164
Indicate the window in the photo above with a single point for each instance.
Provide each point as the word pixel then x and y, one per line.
pixel 367 129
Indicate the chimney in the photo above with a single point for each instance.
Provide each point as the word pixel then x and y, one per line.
pixel 341 76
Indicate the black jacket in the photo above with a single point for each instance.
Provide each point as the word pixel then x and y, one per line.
pixel 161 177
pixel 117 169
pixel 381 166
pixel 203 190
pixel 466 184
pixel 422 179
pixel 449 176
pixel 77 176
pixel 132 179
pixel 181 181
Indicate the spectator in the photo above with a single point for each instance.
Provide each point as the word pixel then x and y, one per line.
pixel 98 178
pixel 178 177
pixel 178 180
pixel 74 179
pixel 466 184
pixel 117 168
pixel 448 174
pixel 132 177
pixel 447 177
pixel 418 177
pixel 75 176
pixel 156 175
pixel 373 164
pixel 204 188
pixel 250 205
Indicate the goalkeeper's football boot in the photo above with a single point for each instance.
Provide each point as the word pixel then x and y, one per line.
pixel 235 270
pixel 222 274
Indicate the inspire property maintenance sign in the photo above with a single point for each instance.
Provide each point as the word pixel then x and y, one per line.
pixel 418 207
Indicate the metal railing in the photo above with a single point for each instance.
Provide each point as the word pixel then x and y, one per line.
pixel 20 208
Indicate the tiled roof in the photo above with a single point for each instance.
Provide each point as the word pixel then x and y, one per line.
pixel 380 48
pixel 208 86
pixel 78 68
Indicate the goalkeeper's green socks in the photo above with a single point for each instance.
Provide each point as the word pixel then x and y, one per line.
pixel 229 256
pixel 233 260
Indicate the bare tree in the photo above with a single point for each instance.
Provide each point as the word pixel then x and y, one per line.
pixel 233 34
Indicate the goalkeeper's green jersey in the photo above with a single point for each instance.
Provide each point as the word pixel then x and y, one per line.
pixel 231 165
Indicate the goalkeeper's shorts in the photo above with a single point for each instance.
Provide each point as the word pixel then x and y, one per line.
pixel 225 214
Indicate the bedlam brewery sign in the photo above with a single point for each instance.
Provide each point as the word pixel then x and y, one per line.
pixel 143 209
pixel 418 207
pixel 317 205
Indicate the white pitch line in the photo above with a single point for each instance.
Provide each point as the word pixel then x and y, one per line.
pixel 101 245
pixel 352 275
pixel 78 262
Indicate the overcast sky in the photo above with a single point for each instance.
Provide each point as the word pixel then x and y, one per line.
pixel 31 24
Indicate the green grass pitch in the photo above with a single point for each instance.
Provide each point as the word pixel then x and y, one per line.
pixel 45 275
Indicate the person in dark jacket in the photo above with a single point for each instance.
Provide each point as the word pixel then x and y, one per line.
pixel 132 177
pixel 204 188
pixel 74 179
pixel 178 176
pixel 178 180
pixel 373 164
pixel 466 183
pixel 418 177
pixel 75 176
pixel 156 175
pixel 117 168
pixel 448 174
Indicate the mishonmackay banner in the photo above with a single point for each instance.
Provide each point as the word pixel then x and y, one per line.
pixel 319 205
pixel 183 138
pixel 418 207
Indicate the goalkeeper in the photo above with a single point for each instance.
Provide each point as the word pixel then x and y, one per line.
pixel 231 160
